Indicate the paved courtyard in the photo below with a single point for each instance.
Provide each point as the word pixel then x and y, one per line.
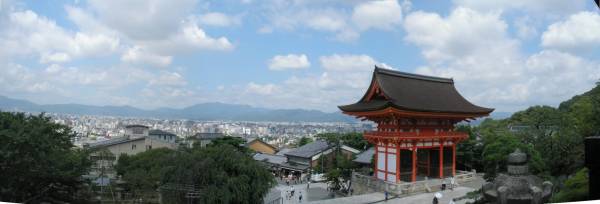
pixel 318 194
pixel 419 198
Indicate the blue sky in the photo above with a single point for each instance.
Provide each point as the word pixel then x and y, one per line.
pixel 308 54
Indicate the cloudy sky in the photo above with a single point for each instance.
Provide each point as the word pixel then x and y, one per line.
pixel 308 54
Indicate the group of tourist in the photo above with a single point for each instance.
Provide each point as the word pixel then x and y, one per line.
pixel 290 179
pixel 289 194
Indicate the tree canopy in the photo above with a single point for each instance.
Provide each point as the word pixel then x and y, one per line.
pixel 221 173
pixel 303 141
pixel 552 137
pixel 38 161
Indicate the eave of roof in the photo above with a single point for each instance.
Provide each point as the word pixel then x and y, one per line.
pixel 413 92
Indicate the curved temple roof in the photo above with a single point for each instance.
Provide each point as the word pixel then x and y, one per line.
pixel 412 92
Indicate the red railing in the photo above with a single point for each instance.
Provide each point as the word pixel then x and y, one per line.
pixel 415 135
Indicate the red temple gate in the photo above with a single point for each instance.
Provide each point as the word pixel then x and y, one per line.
pixel 415 117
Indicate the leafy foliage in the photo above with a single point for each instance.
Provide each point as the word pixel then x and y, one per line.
pixel 552 137
pixel 497 150
pixel 221 172
pixel 38 161
pixel 303 141
pixel 576 188
pixel 341 170
pixel 236 142
pixel 144 171
pixel 354 140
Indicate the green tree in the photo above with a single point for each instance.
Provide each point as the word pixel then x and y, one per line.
pixel 236 142
pixel 354 140
pixel 222 174
pixel 470 149
pixel 575 189
pixel 38 162
pixel 143 172
pixel 303 141
pixel 497 150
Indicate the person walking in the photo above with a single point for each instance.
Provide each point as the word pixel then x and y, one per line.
pixel 435 200
pixel 386 195
pixel 452 182
pixel 443 184
pixel 292 190
pixel 299 197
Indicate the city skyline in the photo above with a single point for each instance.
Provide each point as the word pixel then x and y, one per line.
pixel 293 54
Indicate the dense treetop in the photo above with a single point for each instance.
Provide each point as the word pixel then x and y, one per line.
pixel 38 162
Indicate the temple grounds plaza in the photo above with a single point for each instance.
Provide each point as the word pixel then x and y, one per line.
pixel 318 194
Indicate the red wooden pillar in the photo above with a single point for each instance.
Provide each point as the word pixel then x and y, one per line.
pixel 441 159
pixel 376 157
pixel 414 163
pixel 453 159
pixel 386 162
pixel 397 162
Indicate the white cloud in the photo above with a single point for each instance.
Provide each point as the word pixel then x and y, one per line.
pixel 489 68
pixel 464 33
pixel 326 21
pixel 189 38
pixel 381 14
pixel 343 81
pixel 168 79
pixel 526 28
pixel 261 89
pixel 291 61
pixel 219 19
pixel 344 19
pixel 347 62
pixel 579 31
pixel 138 55
pixel 538 7
pixel 30 34
pixel 143 19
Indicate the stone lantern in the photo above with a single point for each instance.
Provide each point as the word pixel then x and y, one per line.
pixel 517 186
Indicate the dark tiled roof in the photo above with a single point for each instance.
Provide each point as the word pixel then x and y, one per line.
pixel 284 151
pixel 269 158
pixel 113 141
pixel 294 166
pixel 309 149
pixel 159 132
pixel 208 136
pixel 366 156
pixel 135 125
pixel 414 92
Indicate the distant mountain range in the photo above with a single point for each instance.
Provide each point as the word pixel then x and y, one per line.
pixel 204 111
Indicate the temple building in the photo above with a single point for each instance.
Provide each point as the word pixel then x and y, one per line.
pixel 415 117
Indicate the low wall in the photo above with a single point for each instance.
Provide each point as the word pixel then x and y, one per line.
pixel 368 184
